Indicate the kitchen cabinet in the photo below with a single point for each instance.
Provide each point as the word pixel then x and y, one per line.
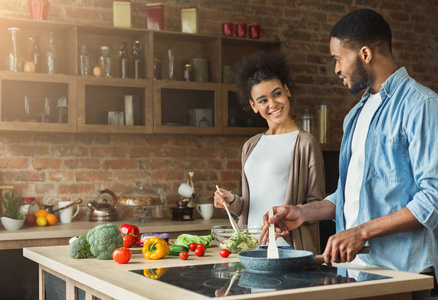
pixel 99 97
pixel 165 105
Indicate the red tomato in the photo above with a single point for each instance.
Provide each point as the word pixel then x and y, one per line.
pixel 183 255
pixel 199 251
pixel 201 245
pixel 192 246
pixel 129 240
pixel 224 253
pixel 122 255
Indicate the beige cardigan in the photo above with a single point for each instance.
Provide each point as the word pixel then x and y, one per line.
pixel 306 184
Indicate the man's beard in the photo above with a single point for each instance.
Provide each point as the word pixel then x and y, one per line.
pixel 360 79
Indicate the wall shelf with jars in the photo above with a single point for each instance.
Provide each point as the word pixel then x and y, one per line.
pixel 174 83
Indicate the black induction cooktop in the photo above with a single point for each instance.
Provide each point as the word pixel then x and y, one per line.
pixel 226 279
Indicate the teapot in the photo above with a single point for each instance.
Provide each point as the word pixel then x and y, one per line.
pixel 103 211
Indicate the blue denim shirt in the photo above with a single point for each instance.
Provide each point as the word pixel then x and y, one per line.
pixel 401 170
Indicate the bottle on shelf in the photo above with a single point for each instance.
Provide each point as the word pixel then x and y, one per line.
pixel 27 115
pixel 307 121
pixel 157 68
pixel 323 123
pixel 123 60
pixel 106 61
pixel 14 56
pixel 35 54
pixel 188 72
pixel 84 61
pixel 137 60
pixel 51 55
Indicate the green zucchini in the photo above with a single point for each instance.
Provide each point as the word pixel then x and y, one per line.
pixel 176 249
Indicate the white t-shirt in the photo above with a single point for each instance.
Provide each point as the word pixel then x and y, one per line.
pixel 267 170
pixel 357 161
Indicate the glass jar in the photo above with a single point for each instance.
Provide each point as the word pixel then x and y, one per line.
pixel 188 73
pixel 14 56
pixel 307 121
pixel 106 61
pixel 28 206
pixel 84 61
pixel 51 56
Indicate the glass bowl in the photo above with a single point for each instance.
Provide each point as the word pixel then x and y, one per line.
pixel 225 237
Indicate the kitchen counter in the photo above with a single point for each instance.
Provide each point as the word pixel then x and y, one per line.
pixel 109 280
pixel 59 234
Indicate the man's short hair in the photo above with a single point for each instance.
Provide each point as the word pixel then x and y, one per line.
pixel 363 27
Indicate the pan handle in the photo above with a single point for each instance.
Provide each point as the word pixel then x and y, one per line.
pixel 319 259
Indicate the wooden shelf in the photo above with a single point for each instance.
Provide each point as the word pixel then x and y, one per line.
pixel 165 104
pixel 98 96
pixel 14 86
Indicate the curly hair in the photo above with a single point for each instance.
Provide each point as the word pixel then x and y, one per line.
pixel 363 27
pixel 258 67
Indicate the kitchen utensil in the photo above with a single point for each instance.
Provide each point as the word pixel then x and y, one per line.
pixel 221 233
pixel 228 29
pixel 272 246
pixel 205 210
pixel 255 32
pixel 241 30
pixel 186 190
pixel 77 202
pixel 233 223
pixel 50 209
pixel 231 283
pixel 66 211
pixel 103 211
pixel 289 260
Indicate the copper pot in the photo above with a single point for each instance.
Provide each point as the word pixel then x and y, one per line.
pixel 103 211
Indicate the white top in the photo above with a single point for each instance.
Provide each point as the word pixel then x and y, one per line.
pixel 267 170
pixel 356 166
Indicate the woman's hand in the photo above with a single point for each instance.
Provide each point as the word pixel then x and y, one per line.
pixel 285 218
pixel 223 197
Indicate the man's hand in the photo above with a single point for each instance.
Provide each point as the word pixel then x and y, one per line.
pixel 285 218
pixel 344 246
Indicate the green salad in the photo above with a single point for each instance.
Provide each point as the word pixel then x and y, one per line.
pixel 240 241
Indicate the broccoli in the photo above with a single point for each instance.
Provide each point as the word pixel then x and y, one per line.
pixel 80 248
pixel 103 240
pixel 186 239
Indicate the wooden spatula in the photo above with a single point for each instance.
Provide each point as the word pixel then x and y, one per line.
pixel 272 246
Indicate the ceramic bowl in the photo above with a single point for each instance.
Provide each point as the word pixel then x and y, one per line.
pixel 222 234
pixel 11 224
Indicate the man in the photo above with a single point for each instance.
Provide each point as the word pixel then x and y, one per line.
pixel 387 195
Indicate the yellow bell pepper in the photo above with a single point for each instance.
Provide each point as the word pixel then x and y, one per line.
pixel 154 273
pixel 155 248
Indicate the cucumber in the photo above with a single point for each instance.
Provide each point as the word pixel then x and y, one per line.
pixel 176 249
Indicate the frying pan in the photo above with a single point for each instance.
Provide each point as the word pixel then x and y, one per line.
pixel 289 260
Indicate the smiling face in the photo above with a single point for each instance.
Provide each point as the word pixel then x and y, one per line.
pixel 349 67
pixel 271 100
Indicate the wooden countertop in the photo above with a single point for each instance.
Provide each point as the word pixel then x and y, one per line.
pixel 59 234
pixel 110 278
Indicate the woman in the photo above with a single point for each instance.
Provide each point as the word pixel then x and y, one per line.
pixel 282 165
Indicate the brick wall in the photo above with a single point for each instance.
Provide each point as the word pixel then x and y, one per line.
pixel 77 165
